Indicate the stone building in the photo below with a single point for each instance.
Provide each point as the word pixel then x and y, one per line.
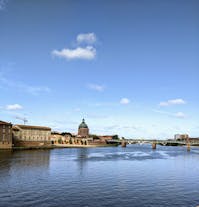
pixel 5 135
pixel 181 136
pixel 60 138
pixel 83 130
pixel 31 136
pixel 104 138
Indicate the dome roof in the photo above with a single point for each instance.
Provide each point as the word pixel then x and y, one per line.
pixel 83 124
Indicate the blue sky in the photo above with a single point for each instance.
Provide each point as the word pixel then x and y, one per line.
pixel 127 67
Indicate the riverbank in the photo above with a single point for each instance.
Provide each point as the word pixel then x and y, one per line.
pixel 83 146
pixel 62 146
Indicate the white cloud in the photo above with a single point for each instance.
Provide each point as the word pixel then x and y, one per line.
pixel 172 102
pixel 86 38
pixel 180 115
pixel 96 87
pixel 87 53
pixel 13 107
pixel 125 101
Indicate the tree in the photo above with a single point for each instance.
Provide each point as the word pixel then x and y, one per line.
pixel 115 136
pixel 94 136
pixel 60 140
pixel 66 133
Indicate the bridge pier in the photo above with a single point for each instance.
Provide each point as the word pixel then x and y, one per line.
pixel 188 147
pixel 123 143
pixel 154 145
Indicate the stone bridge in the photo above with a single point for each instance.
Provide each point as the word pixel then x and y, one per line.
pixel 154 142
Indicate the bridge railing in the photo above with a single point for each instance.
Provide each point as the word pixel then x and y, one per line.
pixel 184 142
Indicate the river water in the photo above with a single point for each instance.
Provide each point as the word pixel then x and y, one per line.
pixel 135 176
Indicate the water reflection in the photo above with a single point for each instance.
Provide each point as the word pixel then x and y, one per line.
pixel 133 176
pixel 82 156
pixel 28 160
pixel 5 162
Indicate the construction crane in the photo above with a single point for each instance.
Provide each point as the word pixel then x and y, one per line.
pixel 22 119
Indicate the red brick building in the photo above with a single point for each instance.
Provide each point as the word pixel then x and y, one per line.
pixel 5 135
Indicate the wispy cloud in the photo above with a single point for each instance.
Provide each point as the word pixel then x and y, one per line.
pixel 102 104
pixel 125 101
pixel 118 128
pixel 34 90
pixel 77 109
pixel 97 116
pixel 13 107
pixel 172 102
pixel 3 4
pixel 87 53
pixel 179 115
pixel 88 38
pixel 96 87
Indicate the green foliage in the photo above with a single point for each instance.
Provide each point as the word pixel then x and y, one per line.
pixel 94 136
pixel 66 133
pixel 60 141
pixel 115 136
pixel 70 141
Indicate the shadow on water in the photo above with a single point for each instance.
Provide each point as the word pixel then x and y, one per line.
pixel 23 159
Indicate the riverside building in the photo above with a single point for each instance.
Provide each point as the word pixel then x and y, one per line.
pixel 31 136
pixel 181 136
pixel 83 130
pixel 5 135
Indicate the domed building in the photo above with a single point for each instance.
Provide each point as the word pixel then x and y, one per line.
pixel 83 130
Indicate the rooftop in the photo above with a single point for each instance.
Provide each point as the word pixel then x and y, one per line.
pixel 5 123
pixel 83 124
pixel 32 127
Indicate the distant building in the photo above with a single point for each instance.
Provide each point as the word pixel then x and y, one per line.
pixel 60 138
pixel 181 136
pixel 5 135
pixel 104 138
pixel 31 136
pixel 83 130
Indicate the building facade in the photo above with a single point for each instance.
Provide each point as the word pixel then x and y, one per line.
pixel 5 135
pixel 83 130
pixel 60 138
pixel 31 136
pixel 181 136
